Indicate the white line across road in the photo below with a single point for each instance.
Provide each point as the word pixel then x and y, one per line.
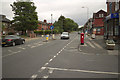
pixel 86 71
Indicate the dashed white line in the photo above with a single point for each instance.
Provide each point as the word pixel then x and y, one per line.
pixel 50 60
pixel 54 56
pixel 43 68
pixel 46 64
pixel 45 76
pixel 34 76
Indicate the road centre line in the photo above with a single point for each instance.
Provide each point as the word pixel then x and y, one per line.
pixel 50 60
pixel 34 76
pixel 43 68
pixel 46 64
pixel 45 77
pixel 87 71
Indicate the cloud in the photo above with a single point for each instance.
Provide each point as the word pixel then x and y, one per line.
pixel 68 8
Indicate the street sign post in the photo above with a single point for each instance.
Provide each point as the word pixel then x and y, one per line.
pixel 51 27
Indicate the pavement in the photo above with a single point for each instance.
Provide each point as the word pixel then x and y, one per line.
pixel 97 46
pixel 60 59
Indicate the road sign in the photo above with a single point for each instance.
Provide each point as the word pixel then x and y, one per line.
pixel 51 27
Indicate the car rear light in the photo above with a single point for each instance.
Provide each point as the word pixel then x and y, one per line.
pixel 9 39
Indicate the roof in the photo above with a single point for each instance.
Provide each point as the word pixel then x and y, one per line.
pixel 98 22
pixel 4 19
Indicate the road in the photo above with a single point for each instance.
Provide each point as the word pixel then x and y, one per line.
pixel 58 59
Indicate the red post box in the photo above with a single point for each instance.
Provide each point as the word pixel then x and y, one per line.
pixel 82 38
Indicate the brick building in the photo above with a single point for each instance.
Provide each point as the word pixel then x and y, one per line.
pixel 6 25
pixel 111 22
pixel 43 25
pixel 98 24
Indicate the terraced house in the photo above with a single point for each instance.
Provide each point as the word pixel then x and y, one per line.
pixel 5 25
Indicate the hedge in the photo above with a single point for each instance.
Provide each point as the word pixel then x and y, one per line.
pixel 42 32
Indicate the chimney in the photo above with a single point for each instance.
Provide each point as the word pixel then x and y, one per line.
pixel 45 21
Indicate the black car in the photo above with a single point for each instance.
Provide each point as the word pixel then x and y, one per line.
pixel 12 40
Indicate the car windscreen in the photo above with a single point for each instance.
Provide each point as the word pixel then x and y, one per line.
pixel 11 37
pixel 65 33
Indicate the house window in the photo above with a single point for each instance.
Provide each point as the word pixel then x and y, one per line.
pixel 102 15
pixel 99 15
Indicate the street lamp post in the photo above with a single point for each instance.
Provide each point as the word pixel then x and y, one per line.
pixel 87 12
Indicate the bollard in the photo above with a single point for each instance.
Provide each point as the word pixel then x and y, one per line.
pixel 42 35
pixel 53 36
pixel 47 37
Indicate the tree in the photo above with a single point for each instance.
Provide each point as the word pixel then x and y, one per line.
pixel 25 16
pixel 65 24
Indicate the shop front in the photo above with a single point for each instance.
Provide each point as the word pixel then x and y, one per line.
pixel 111 27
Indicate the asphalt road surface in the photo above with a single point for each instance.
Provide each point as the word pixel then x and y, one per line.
pixel 58 59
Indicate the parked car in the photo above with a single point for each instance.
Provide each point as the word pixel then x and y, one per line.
pixel 12 40
pixel 65 35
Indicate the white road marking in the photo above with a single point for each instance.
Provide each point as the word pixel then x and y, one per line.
pixel 91 44
pixel 50 60
pixel 87 71
pixel 19 51
pixel 9 50
pixel 45 77
pixel 21 48
pixel 33 46
pixel 34 76
pixel 54 56
pixel 43 68
pixel 28 45
pixel 97 45
pixel 11 54
pixel 46 64
pixel 51 71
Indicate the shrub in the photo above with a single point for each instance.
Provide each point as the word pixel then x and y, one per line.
pixel 10 33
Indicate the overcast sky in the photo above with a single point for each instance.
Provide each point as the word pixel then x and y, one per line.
pixel 68 8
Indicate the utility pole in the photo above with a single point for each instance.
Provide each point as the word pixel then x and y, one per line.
pixel 51 25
